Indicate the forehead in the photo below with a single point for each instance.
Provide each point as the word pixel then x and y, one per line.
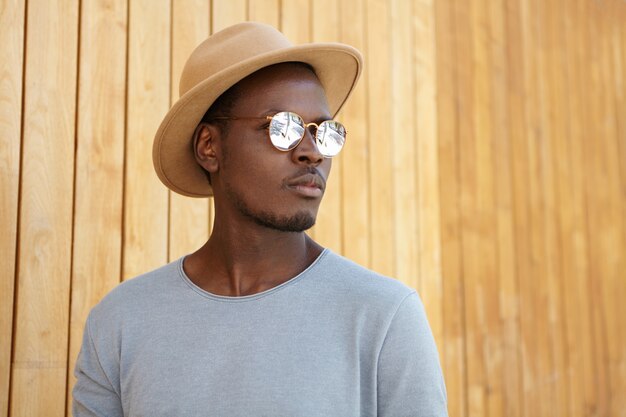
pixel 287 86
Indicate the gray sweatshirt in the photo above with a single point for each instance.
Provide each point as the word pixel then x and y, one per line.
pixel 336 340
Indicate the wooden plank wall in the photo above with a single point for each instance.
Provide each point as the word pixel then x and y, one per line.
pixel 486 167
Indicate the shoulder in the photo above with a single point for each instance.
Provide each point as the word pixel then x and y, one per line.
pixel 363 285
pixel 138 294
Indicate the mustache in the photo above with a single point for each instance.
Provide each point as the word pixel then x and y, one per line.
pixel 306 172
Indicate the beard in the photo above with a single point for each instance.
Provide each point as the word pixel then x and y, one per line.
pixel 297 222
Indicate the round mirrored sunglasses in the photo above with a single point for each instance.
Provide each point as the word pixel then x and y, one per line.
pixel 287 129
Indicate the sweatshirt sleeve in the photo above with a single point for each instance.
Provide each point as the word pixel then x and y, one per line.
pixel 410 381
pixel 94 393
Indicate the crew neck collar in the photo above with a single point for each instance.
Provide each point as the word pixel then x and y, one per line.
pixel 251 297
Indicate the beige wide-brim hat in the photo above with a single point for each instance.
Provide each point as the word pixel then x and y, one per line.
pixel 218 63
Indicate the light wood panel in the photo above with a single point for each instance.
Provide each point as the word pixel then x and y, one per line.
pixel 145 225
pixel 266 11
pixel 11 67
pixel 503 209
pixel 552 117
pixel 478 203
pixel 99 173
pixel 379 110
pixel 535 348
pixel 226 13
pixel 519 172
pixel 402 140
pixel 295 20
pixel 453 350
pixel 589 100
pixel 427 163
pixel 39 362
pixel 582 388
pixel 355 174
pixel 615 85
pixel 485 167
pixel 604 202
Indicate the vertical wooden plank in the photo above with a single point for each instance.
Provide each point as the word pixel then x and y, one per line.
pixel 45 229
pixel 329 227
pixel 189 217
pixel 550 90
pixel 537 359
pixel 355 174
pixel 610 239
pixel 596 202
pixel 482 307
pixel 545 116
pixel 99 163
pixel 266 11
pixel 227 12
pixel 617 13
pixel 533 294
pixel 619 47
pixel 453 357
pixel 378 79
pixel 484 216
pixel 574 239
pixel 145 198
pixel 403 144
pixel 614 80
pixel 504 206
pixel 295 21
pixel 470 239
pixel 619 51
pixel 427 165
pixel 517 96
pixel 11 67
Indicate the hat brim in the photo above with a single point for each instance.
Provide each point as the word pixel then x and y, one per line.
pixel 337 66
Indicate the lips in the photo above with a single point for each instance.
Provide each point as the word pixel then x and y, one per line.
pixel 308 185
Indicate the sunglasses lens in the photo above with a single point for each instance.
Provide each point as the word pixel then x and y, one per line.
pixel 286 130
pixel 331 136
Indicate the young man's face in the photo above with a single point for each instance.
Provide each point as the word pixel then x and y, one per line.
pixel 253 180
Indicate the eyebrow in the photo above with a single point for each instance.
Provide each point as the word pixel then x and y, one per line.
pixel 272 112
pixel 318 120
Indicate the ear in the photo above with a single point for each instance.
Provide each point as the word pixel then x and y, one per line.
pixel 204 146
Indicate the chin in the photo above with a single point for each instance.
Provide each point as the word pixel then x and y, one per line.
pixel 292 219
pixel 297 222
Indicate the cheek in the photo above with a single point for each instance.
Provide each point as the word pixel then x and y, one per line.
pixel 253 171
pixel 325 167
pixel 254 143
pixel 240 151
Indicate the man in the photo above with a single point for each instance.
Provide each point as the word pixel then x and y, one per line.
pixel 260 321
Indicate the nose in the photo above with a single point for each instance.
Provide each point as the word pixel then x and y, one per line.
pixel 306 151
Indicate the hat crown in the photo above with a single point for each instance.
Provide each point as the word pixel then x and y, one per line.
pixel 228 47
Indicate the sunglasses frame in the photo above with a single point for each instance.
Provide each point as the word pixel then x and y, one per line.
pixel 306 126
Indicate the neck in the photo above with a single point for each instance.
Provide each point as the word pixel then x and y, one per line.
pixel 246 258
